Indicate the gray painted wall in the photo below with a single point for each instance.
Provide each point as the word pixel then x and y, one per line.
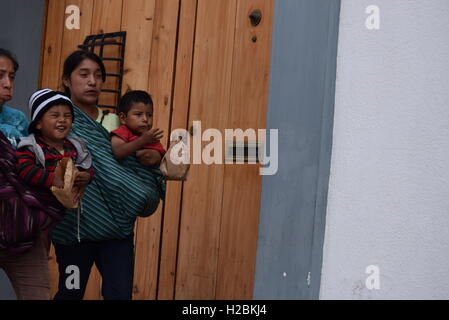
pixel 293 205
pixel 21 24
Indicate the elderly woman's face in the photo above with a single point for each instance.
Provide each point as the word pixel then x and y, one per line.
pixel 85 83
pixel 7 77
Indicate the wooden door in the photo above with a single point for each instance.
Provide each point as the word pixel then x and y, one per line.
pixel 220 203
pixel 200 60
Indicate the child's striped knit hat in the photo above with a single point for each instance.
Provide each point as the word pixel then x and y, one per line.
pixel 43 100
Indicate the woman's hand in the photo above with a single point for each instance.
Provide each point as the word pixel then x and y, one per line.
pixel 79 194
pixel 82 179
pixel 58 182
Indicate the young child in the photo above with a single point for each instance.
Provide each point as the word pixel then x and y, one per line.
pixel 136 136
pixel 48 143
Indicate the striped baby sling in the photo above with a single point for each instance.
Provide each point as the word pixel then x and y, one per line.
pixel 119 193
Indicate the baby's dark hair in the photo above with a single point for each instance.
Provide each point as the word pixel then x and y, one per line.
pixel 132 97
pixel 8 54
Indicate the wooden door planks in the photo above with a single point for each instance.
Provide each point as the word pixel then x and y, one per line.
pixel 243 183
pixel 220 208
pixel 138 22
pixel 180 112
pixel 54 29
pixel 202 196
pixel 107 17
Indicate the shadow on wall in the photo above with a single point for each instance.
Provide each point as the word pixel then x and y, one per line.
pixel 28 52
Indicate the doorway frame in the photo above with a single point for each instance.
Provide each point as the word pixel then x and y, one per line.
pixel 302 98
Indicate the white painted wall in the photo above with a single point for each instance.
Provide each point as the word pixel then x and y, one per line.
pixel 389 188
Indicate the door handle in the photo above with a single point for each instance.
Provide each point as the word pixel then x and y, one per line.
pixel 255 17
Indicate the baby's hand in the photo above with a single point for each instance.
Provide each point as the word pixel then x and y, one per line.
pixel 152 136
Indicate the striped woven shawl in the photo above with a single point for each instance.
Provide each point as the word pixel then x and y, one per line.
pixel 119 193
pixel 24 210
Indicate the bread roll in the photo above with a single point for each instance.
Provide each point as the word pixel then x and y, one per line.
pixel 67 194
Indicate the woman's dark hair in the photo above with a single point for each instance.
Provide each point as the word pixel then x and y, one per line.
pixel 75 59
pixel 8 54
pixel 131 97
